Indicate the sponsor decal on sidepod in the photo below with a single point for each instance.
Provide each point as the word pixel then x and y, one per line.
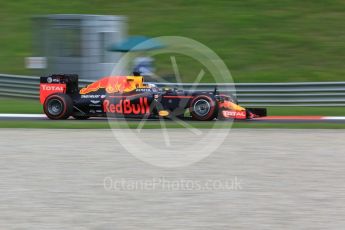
pixel 127 107
pixel 234 114
pixel 111 85
pixel 92 96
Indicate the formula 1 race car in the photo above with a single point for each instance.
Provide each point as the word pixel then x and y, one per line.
pixel 130 97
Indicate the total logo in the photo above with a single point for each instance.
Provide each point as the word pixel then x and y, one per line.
pixel 53 87
pixel 127 107
pixel 234 114
pixel 47 89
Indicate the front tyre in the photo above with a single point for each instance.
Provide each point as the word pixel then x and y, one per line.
pixel 203 108
pixel 58 106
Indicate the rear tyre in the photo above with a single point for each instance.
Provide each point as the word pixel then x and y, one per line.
pixel 58 106
pixel 203 108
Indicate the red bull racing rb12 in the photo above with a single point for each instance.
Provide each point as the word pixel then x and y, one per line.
pixel 130 97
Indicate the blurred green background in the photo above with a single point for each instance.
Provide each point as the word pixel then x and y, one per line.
pixel 259 40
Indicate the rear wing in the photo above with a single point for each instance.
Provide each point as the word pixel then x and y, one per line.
pixel 58 83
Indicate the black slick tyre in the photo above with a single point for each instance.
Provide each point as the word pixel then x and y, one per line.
pixel 58 106
pixel 203 108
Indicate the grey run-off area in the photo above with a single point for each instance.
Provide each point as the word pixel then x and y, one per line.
pixel 285 179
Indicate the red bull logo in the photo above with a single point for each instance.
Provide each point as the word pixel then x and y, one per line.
pixel 127 107
pixel 118 84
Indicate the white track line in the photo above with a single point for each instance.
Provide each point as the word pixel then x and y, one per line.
pixel 333 118
pixel 17 115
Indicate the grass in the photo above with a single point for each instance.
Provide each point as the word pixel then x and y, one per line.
pixel 260 41
pixel 10 105
pixel 306 111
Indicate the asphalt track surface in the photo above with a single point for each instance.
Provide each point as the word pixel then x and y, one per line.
pixel 268 119
pixel 286 179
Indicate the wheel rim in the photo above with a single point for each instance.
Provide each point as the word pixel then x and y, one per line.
pixel 202 107
pixel 55 107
